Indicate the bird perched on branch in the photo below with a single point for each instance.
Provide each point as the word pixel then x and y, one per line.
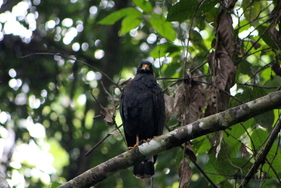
pixel 142 110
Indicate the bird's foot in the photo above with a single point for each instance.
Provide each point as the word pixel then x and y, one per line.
pixel 147 140
pixel 131 147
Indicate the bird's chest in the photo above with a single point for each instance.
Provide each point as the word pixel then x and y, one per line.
pixel 140 94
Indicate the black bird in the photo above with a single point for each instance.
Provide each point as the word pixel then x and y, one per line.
pixel 142 110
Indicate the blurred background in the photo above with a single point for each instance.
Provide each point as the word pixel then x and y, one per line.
pixel 63 63
pixel 49 118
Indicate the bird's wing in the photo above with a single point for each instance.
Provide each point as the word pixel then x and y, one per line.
pixel 159 108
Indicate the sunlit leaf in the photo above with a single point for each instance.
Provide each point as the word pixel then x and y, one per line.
pixel 243 25
pixel 237 130
pixel 115 16
pixel 129 23
pixel 55 184
pixel 201 145
pixel 60 155
pixel 144 5
pixel 251 10
pixel 172 70
pixel 164 49
pixel 164 28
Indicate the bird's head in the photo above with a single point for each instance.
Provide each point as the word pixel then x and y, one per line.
pixel 145 67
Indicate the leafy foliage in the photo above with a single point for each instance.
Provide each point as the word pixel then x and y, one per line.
pixel 64 64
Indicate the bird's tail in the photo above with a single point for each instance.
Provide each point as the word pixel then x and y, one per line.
pixel 144 169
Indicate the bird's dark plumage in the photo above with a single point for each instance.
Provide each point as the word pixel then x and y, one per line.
pixel 142 110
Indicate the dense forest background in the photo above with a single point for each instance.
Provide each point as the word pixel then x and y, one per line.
pixel 63 65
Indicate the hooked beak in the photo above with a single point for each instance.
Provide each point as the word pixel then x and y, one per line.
pixel 145 67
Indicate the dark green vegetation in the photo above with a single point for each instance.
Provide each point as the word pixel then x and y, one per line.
pixel 54 108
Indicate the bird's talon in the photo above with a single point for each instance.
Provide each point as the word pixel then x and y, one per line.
pixel 136 145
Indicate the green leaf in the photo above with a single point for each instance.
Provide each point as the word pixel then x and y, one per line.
pixel 207 5
pixel 212 15
pixel 160 50
pixel 232 143
pixel 201 145
pixel 115 16
pixel 244 25
pixel 237 130
pixel 55 184
pixel 129 23
pixel 197 40
pixel 213 174
pixel 275 81
pixel 164 28
pixel 172 70
pixel 265 119
pixel 245 67
pixel 183 10
pixel 200 23
pixel 264 33
pixel 266 75
pixel 163 49
pixel 144 5
pixel 225 165
pixel 258 138
pixel 274 156
pixel 179 157
pixel 252 10
pixel 252 93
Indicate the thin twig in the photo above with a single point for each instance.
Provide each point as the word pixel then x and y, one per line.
pixel 74 59
pixel 274 171
pixel 197 165
pixel 261 156
pixel 222 91
pixel 203 173
pixel 106 91
pixel 259 86
pixel 108 134
pixel 102 140
pixel 101 106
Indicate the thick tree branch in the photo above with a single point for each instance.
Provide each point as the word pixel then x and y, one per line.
pixel 210 124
